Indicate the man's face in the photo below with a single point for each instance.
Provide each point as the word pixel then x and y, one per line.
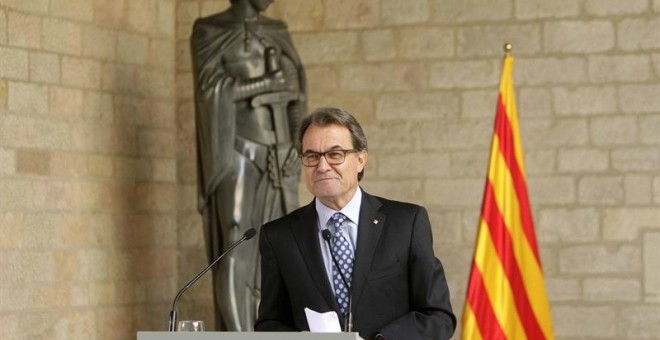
pixel 333 185
pixel 261 5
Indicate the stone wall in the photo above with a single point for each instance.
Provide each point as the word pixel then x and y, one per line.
pixel 98 221
pixel 88 185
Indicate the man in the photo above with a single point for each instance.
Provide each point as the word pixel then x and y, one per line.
pixel 249 100
pixel 397 285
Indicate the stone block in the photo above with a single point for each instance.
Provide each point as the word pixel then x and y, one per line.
pixel 636 159
pixel 539 9
pixel 33 162
pixel 99 43
pixel 394 12
pixel 600 259
pixel 457 11
pixel 66 102
pixel 61 36
pixel 315 48
pixel 161 54
pixel 142 15
pixel 104 138
pixel 534 102
pixel 79 10
pixel 638 189
pixel 651 251
pixel 464 74
pixel 44 67
pixel 552 190
pixel 84 73
pixel 585 321
pixel 190 230
pixel 546 133
pixel 540 162
pixel 383 77
pixel 568 225
pixel 23 30
pixel 417 106
pixel 582 160
pixel 585 100
pixel 7 161
pixel 110 13
pixel 639 98
pixel 378 45
pixel 155 83
pixel 322 78
pixel 164 170
pixel 98 106
pixel 13 63
pixel 619 68
pixel 100 166
pixel 446 225
pixel 454 192
pixel 341 14
pixel 11 228
pixel 582 37
pixel 648 129
pixel 460 135
pixel 132 48
pixel 29 132
pixel 471 164
pixel 548 71
pixel 3 94
pixel 478 103
pixel 403 190
pixel 639 322
pixel 604 8
pixel 638 34
pixel 299 15
pixel 186 14
pixel 625 224
pixel 600 190
pixel 159 143
pixel 210 7
pixel 425 43
pixel 484 41
pixel 68 165
pixel 36 6
pixel 612 289
pixel 419 165
pixel 184 86
pixel 166 21
pixel 563 289
pixel 656 190
pixel 28 98
pixel 3 27
pixel 159 197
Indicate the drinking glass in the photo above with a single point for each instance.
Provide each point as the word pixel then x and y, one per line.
pixel 190 326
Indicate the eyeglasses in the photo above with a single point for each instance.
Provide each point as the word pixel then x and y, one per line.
pixel 333 157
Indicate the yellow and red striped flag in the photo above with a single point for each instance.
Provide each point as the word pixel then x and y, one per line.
pixel 506 297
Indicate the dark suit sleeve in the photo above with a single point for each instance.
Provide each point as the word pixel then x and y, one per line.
pixel 431 315
pixel 274 308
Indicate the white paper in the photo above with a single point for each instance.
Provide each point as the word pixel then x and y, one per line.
pixel 327 322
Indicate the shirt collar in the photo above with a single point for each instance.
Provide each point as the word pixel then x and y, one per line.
pixel 350 210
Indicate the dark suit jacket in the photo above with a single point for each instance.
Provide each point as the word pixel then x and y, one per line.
pixel 398 286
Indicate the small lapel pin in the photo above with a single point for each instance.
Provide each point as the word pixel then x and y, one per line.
pixel 375 221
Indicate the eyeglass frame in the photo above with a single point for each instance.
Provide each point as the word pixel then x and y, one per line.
pixel 322 154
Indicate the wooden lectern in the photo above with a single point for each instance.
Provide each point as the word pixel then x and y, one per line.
pixel 245 336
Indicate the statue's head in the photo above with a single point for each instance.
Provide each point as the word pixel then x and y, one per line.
pixel 259 5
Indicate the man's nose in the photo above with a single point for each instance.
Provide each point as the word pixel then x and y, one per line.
pixel 323 165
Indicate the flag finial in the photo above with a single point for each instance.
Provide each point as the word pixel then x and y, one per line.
pixel 507 48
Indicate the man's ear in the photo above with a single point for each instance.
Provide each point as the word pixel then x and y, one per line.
pixel 362 159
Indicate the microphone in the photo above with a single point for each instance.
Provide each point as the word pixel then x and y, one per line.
pixel 246 236
pixel 348 321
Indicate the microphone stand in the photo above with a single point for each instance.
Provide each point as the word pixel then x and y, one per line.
pixel 172 320
pixel 348 320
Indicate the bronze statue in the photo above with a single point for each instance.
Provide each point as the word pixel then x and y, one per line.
pixel 249 100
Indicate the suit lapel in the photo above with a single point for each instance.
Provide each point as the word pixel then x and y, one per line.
pixel 370 228
pixel 305 231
